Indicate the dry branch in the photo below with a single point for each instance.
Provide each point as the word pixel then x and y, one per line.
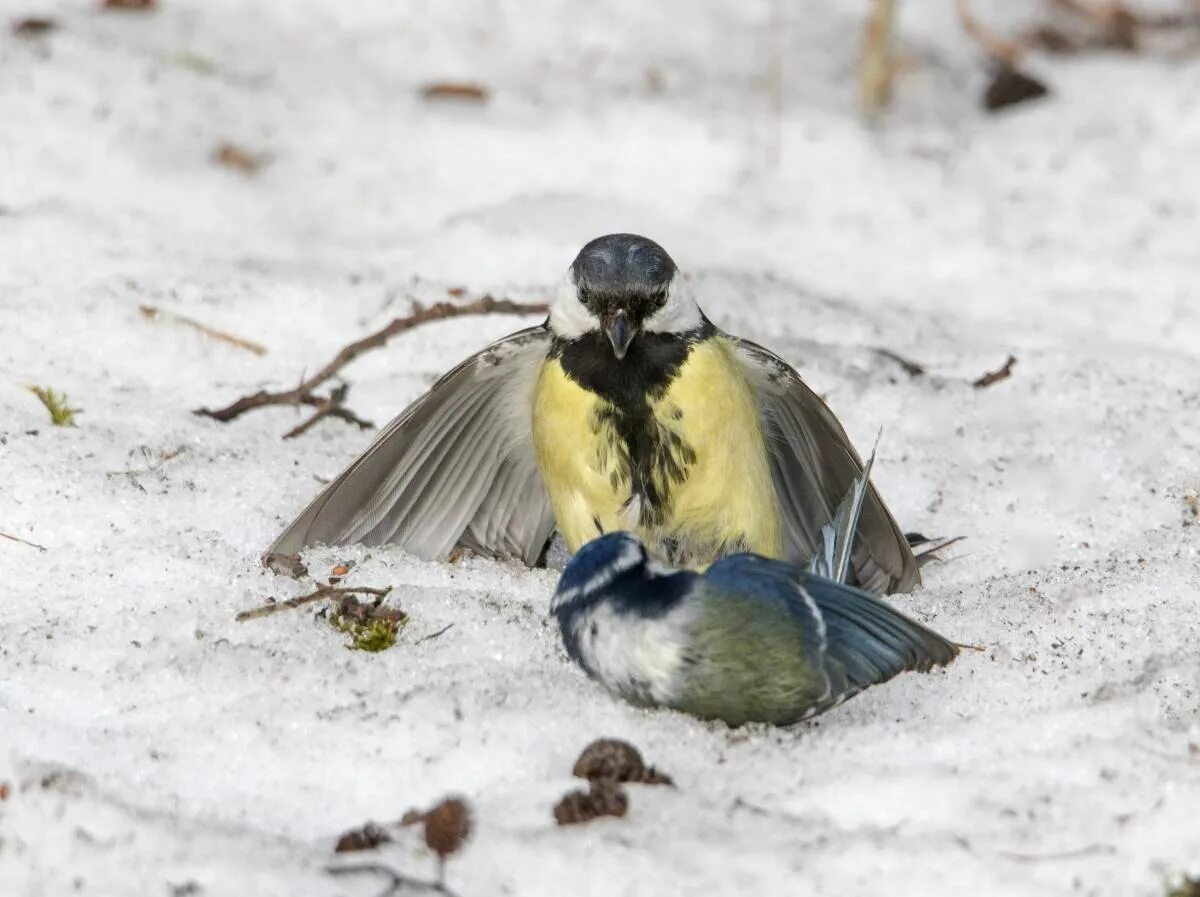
pixel 1001 373
pixel 38 547
pixel 320 594
pixel 331 405
pixel 152 313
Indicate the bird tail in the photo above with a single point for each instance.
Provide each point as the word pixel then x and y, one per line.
pixel 867 641
pixel 833 559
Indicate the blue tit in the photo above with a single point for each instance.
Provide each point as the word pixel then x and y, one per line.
pixel 628 409
pixel 752 639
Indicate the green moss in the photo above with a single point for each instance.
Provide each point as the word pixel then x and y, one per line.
pixel 370 635
pixel 61 414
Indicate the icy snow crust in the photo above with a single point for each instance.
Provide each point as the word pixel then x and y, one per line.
pixel 153 742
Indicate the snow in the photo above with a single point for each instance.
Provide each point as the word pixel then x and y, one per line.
pixel 153 743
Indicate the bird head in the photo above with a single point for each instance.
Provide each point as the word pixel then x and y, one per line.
pixel 622 285
pixel 596 566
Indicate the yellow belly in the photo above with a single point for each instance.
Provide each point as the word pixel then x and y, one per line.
pixel 724 500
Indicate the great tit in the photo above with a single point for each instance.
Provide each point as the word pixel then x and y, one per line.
pixel 626 410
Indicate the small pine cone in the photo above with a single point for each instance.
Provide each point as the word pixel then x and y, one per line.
pixel 365 838
pixel 603 798
pixel 447 826
pixel 617 761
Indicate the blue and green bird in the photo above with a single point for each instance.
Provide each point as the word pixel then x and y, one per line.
pixel 627 409
pixel 751 639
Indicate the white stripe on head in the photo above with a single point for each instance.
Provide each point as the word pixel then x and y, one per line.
pixel 679 313
pixel 630 555
pixel 570 318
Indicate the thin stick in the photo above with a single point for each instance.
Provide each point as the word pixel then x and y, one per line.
pixel 44 548
pixel 434 635
pixel 397 880
pixel 877 67
pixel 321 593
pixel 303 394
pixel 152 312
pixel 910 367
pixel 993 44
pixel 1001 373
pixel 325 408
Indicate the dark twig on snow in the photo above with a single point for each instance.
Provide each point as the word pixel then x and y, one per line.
pixel 397 882
pixel 433 635
pixel 1001 373
pixel 910 367
pixel 331 405
pixel 320 594
pixel 43 547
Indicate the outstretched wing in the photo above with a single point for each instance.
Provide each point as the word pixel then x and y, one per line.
pixel 457 467
pixel 814 465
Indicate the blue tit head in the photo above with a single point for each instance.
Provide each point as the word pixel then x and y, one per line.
pixel 612 561
pixel 622 285
pixel 617 570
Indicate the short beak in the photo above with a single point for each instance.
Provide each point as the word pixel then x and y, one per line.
pixel 620 333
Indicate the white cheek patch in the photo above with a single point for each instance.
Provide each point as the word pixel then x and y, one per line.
pixel 679 314
pixel 636 657
pixel 570 318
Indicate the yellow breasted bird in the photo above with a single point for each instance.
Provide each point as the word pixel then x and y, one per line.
pixel 626 410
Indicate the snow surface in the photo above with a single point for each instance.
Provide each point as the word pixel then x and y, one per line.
pixel 155 746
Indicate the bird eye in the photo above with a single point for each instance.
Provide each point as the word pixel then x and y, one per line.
pixel 661 299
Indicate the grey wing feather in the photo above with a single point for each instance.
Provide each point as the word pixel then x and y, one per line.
pixel 457 467
pixel 814 466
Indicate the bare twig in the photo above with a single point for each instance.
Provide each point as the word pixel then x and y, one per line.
pixel 1089 850
pixel 993 44
pixel 153 313
pixel 877 67
pixel 1001 373
pixel 320 594
pixel 44 548
pixel 327 407
pixel 433 635
pixel 910 367
pixel 304 394
pixel 396 879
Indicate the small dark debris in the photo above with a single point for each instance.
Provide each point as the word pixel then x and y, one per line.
pixel 285 564
pixel 613 760
pixel 131 5
pixel 1009 87
pixel 603 798
pixel 33 26
pixel 1052 40
pixel 186 889
pixel 1001 373
pixel 5 791
pixel 368 837
pixel 456 292
pixel 1121 29
pixel 350 608
pixel 453 90
pixel 230 155
pixel 910 367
